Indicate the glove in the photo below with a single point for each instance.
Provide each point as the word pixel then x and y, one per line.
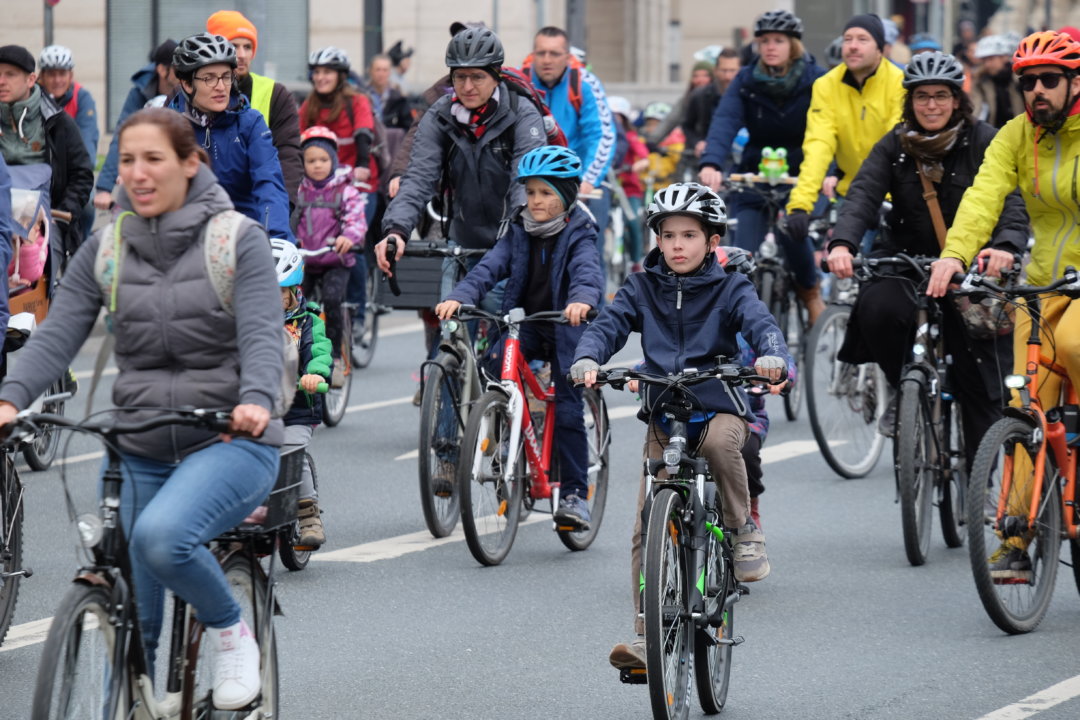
pixel 582 366
pixel 770 362
pixel 798 225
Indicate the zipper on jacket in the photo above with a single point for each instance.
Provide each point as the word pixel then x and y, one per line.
pixel 1075 161
pixel 678 294
pixel 678 308
pixel 863 113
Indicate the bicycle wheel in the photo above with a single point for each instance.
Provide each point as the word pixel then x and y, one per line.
pixel 1015 604
pixel 41 451
pixel 440 444
pixel 293 555
pixel 599 434
pixel 490 492
pixel 843 400
pixel 11 515
pixel 712 660
pixel 953 483
pixel 669 632
pixel 364 343
pixel 74 674
pixel 336 400
pixel 915 467
pixel 249 588
pixel 793 329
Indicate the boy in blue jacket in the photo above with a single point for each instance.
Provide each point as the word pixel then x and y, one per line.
pixel 547 252
pixel 689 311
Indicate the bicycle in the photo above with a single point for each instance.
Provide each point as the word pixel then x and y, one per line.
pixel 503 469
pixel 617 260
pixel 93 663
pixel 12 570
pixel 336 400
pixel 1031 442
pixel 688 580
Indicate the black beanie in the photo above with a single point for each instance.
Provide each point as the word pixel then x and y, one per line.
pixel 567 188
pixel 872 24
pixel 163 53
pixel 18 56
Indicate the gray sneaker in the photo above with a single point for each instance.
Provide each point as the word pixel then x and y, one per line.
pixel 751 561
pixel 628 655
pixel 1010 566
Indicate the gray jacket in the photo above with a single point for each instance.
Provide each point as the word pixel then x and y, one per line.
pixel 481 173
pixel 175 344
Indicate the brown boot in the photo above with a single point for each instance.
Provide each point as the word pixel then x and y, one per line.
pixel 311 527
pixel 811 299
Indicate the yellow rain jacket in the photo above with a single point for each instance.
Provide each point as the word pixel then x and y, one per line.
pixel 845 123
pixel 1048 174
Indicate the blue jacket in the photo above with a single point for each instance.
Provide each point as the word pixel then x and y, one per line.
pixel 577 274
pixel 243 157
pixel 144 89
pixel 591 132
pixel 85 118
pixel 686 321
pixel 769 124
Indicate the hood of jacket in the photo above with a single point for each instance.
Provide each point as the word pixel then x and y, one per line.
pixel 145 78
pixel 237 104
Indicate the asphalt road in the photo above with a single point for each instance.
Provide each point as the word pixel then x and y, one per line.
pixel 412 628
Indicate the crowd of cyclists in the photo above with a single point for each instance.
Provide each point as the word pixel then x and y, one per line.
pixel 974 155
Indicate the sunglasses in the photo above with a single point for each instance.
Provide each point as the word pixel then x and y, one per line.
pixel 1048 80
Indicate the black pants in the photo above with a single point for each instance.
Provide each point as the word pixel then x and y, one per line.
pixel 751 453
pixel 332 284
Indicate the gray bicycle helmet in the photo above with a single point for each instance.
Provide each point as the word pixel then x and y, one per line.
pixel 201 50
pixel 690 199
pixel 934 68
pixel 834 54
pixel 329 57
pixel 778 21
pixel 475 48
pixel 56 57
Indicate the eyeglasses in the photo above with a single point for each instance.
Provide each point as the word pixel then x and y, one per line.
pixel 475 78
pixel 1048 80
pixel 211 81
pixel 923 99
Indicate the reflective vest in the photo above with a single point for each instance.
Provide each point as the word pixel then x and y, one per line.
pixel 261 90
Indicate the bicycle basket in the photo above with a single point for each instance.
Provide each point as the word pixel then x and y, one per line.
pixel 420 280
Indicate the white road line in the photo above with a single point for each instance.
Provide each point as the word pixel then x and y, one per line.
pixel 411 455
pixel 1043 700
pixel 402 329
pixel 29 633
pixel 379 404
pixel 787 450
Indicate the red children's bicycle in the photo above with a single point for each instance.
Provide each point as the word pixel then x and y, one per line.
pixel 507 464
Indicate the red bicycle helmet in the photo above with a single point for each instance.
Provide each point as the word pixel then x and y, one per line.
pixel 1047 48
pixel 319 132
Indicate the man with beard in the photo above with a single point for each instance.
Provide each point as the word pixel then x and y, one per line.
pixel 704 100
pixel 994 94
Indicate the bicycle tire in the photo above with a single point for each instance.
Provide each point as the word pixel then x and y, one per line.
pixel 669 632
pixel 843 400
pixel 293 556
pixel 78 654
pixel 249 588
pixel 439 454
pixel 336 400
pixel 11 515
pixel 364 345
pixel 488 507
pixel 40 452
pixel 914 468
pixel 599 436
pixel 954 481
pixel 765 286
pixel 712 661
pixel 1016 608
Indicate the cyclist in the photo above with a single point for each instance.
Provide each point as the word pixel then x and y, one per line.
pixel 665 156
pixel 1027 153
pixel 689 311
pixel 704 101
pixel 235 136
pixel 994 94
pixel 307 336
pixel 770 99
pixel 635 162
pixel 329 211
pixel 938 138
pixel 548 257
pixel 176 346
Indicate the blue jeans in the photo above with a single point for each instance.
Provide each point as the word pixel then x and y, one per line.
pixel 753 220
pixel 357 292
pixel 170 511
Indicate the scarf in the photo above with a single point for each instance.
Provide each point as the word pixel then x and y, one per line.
pixel 554 226
pixel 22 130
pixel 778 88
pixel 929 150
pixel 475 120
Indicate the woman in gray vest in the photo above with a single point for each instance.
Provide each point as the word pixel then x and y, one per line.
pixel 176 345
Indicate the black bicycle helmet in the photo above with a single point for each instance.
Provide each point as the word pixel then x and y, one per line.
pixel 778 21
pixel 934 68
pixel 834 54
pixel 201 50
pixel 475 48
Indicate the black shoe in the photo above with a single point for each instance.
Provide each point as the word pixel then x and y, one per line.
pixel 886 425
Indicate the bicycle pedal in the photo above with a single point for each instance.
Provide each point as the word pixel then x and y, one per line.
pixel 743 589
pixel 633 676
pixel 305 548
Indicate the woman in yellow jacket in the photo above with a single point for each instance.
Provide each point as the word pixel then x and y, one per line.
pixel 1039 152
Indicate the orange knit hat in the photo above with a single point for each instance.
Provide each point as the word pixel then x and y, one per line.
pixel 231 25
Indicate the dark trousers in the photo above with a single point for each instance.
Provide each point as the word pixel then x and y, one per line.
pixel 332 284
pixel 751 453
pixel 753 221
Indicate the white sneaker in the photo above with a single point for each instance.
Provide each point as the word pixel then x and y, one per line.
pixel 235 666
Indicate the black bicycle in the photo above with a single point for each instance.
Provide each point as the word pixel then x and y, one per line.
pixel 93 663
pixel 11 526
pixel 689 589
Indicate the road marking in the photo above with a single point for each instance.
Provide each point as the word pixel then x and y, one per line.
pixel 621 412
pixel 787 450
pixel 402 329
pixel 404 544
pixel 83 374
pixel 1035 704
pixel 379 404
pixel 29 633
pixel 411 455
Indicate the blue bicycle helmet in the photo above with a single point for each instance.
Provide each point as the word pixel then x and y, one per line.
pixel 551 161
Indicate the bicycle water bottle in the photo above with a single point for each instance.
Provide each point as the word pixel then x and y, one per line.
pixel 738 145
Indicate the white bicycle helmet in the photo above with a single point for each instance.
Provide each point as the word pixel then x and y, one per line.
pixel 620 106
pixel 993 45
pixel 691 199
pixel 331 57
pixel 288 263
pixel 56 57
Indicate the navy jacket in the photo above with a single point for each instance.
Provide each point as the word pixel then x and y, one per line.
pixel 144 89
pixel 686 322
pixel 769 124
pixel 576 273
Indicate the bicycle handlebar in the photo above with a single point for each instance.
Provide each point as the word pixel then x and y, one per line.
pixel 746 179
pixel 517 316
pixel 391 258
pixel 1067 284
pixel 28 422
pixel 729 373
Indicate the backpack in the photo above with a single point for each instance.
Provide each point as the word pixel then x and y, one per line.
pixel 380 150
pixel 573 91
pixel 518 83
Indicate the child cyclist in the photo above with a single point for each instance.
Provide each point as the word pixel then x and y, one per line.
pixel 329 212
pixel 689 311
pixel 548 254
pixel 308 336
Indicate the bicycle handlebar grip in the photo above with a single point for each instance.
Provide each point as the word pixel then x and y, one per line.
pixel 219 422
pixel 391 258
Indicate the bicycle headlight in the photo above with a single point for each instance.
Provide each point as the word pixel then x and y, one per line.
pixel 672 456
pixel 90 528
pixel 767 250
pixel 1016 382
